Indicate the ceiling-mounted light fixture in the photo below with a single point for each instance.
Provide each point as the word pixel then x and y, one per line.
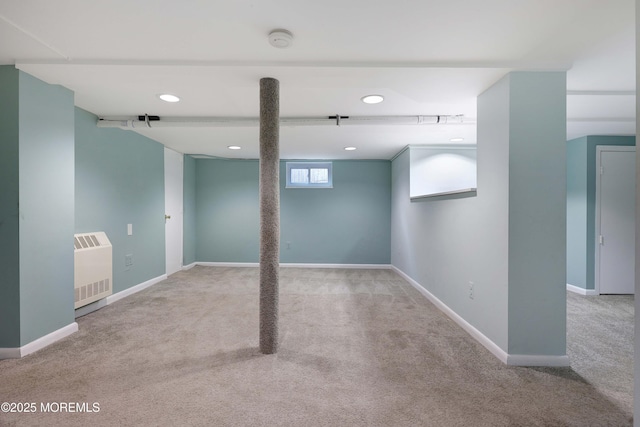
pixel 167 97
pixel 234 147
pixel 456 139
pixel 372 99
pixel 281 39
pixel 349 148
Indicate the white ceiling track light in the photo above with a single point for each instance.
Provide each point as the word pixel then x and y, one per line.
pixel 147 121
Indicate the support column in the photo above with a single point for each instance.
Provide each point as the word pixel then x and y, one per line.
pixel 269 213
pixel 522 213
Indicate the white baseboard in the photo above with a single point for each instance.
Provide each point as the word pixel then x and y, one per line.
pixel 189 267
pixel 503 356
pixel 296 265
pixel 16 353
pixel 134 289
pixel 347 266
pixel 535 360
pixel 581 291
pixel 228 264
pixel 40 343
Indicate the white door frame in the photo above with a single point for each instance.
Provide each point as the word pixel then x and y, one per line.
pixel 173 176
pixel 599 150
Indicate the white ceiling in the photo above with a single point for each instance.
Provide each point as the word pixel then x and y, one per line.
pixel 425 57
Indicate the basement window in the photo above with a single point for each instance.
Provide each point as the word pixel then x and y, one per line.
pixel 309 175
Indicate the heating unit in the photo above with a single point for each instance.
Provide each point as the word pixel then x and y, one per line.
pixel 92 267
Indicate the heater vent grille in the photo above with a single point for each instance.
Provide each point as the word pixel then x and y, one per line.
pixel 85 241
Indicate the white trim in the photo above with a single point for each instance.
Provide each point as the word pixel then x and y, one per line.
pixel 173 167
pixel 537 360
pixel 189 267
pixel 444 193
pixel 581 291
pixel 399 153
pixel 228 264
pixel 479 336
pixel 134 289
pixel 296 265
pixel 596 242
pixel 508 359
pixel 349 266
pixel 38 344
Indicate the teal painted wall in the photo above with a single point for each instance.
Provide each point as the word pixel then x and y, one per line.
pixel 46 207
pixel 577 212
pixel 581 206
pixel 189 210
pixel 9 196
pixel 349 224
pixel 36 208
pixel 120 181
pixel 537 213
pixel 227 217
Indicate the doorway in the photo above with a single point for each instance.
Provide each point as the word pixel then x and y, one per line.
pixel 173 169
pixel 615 220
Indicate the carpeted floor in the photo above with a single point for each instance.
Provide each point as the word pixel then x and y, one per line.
pixel 357 348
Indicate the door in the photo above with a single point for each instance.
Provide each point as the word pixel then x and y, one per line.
pixel 173 167
pixel 615 220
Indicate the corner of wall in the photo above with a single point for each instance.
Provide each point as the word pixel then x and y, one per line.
pixel 108 161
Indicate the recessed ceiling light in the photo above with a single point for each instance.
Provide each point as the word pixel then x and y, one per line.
pixel 372 99
pixel 349 148
pixel 456 139
pixel 167 97
pixel 234 147
pixel 281 39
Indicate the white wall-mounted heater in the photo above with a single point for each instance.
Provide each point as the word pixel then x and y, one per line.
pixel 92 267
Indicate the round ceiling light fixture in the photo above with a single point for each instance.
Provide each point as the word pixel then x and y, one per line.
pixel 167 97
pixel 372 99
pixel 281 39
pixel 234 147
pixel 349 148
pixel 456 139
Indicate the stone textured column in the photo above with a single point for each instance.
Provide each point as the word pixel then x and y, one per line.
pixel 269 213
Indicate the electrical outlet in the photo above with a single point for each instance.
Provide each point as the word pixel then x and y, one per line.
pixel 471 290
pixel 288 245
pixel 128 260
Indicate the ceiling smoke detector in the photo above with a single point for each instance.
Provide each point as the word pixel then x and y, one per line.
pixel 281 39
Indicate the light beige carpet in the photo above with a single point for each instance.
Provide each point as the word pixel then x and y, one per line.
pixel 357 348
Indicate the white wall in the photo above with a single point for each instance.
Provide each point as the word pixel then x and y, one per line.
pixel 506 239
pixel 444 244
